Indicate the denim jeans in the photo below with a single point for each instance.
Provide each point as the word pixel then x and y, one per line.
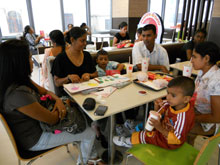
pixel 50 140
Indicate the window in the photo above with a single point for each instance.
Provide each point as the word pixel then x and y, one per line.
pixel 169 18
pixel 47 15
pixel 74 12
pixel 13 17
pixel 180 12
pixel 100 15
pixel 156 6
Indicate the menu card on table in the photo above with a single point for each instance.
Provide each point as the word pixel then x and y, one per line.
pixel 95 83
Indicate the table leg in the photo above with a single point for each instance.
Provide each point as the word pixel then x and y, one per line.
pixel 111 148
pixel 145 113
pixel 111 156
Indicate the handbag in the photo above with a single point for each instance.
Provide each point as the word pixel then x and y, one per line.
pixel 74 121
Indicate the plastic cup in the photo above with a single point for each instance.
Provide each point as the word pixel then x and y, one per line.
pixel 154 115
pixel 187 70
pixel 129 70
pixel 144 65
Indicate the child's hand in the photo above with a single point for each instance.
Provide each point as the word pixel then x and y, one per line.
pixel 156 123
pixel 157 104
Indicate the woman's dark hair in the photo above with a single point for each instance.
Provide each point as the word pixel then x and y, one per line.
pixel 58 37
pixel 123 24
pixel 67 37
pixel 26 30
pixel 77 32
pixel 201 31
pixel 210 49
pixel 70 25
pixel 14 66
pixel 82 25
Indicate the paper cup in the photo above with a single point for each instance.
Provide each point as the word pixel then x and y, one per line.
pixel 129 70
pixel 154 115
pixel 187 70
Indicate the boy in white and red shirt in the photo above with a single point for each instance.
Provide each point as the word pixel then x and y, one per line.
pixel 177 118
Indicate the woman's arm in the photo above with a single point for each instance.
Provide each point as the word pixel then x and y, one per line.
pixel 38 39
pixel 59 103
pixel 214 116
pixel 38 112
pixel 115 40
pixel 69 78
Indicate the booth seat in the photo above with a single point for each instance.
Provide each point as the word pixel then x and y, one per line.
pixel 174 51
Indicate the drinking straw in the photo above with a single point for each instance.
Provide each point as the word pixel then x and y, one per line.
pixel 165 103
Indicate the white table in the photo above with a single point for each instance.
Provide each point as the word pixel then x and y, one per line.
pixel 38 59
pixel 180 65
pixel 120 101
pixel 102 36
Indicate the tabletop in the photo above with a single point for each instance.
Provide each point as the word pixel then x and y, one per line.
pixel 121 100
pixel 38 58
pixel 180 65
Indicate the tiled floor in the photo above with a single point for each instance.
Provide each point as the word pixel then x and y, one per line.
pixel 60 156
pixel 57 157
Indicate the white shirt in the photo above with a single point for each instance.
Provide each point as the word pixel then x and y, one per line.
pixel 206 86
pixel 158 56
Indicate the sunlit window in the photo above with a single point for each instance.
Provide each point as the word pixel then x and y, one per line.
pixel 100 15
pixel 169 18
pixel 47 15
pixel 156 6
pixel 74 12
pixel 14 17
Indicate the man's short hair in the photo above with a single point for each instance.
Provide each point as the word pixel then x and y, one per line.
pixel 150 27
pixel 201 31
pixel 101 52
pixel 185 83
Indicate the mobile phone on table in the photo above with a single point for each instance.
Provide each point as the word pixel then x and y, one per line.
pixel 100 110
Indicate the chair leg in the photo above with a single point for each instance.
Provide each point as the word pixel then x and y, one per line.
pixel 126 161
pixel 79 149
pixel 67 148
pixel 31 161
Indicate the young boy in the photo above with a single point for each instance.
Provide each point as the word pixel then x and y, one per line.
pixel 177 118
pixel 104 64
